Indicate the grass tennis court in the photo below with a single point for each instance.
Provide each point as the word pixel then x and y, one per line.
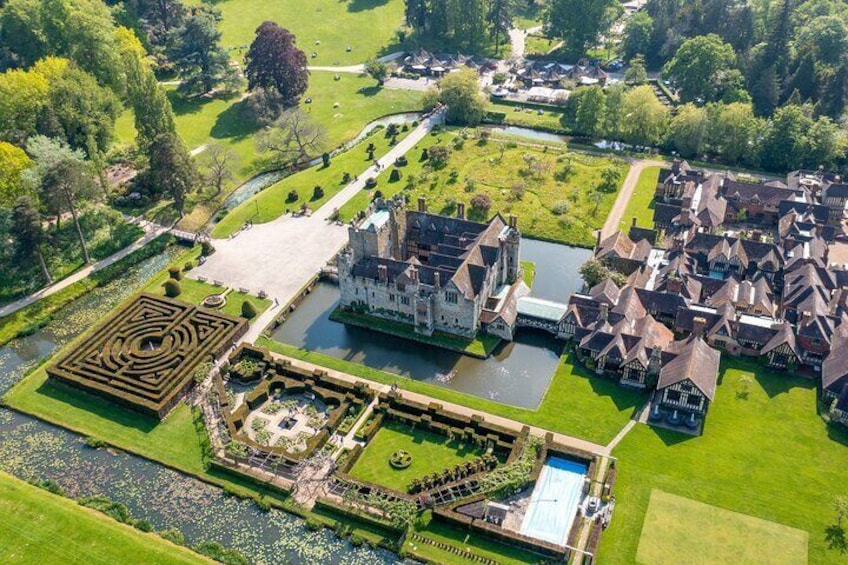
pixel 681 530
pixel 431 453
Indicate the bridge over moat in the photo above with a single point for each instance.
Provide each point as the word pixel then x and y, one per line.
pixel 540 314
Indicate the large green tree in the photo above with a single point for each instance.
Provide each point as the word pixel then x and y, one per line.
pixel 687 130
pixel 13 162
pixel 201 62
pixel 704 69
pixel 644 118
pixel 589 118
pixel 70 182
pixel 460 92
pixel 579 23
pixel 171 170
pixel 637 35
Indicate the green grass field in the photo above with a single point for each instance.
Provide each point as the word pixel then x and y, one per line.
pixel 39 527
pixel 768 455
pixel 679 530
pixel 431 453
pixel 366 26
pixel 273 202
pixel 576 403
pixel 550 207
pixel 194 292
pixel 641 204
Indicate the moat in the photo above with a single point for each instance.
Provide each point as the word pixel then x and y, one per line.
pixel 517 373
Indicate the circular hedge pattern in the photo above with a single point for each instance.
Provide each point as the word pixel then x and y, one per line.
pixel 400 459
pixel 214 301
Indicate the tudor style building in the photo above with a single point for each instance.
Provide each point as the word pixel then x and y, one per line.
pixel 436 273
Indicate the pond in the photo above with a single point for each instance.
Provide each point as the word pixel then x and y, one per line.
pixel 33 450
pixel 530 134
pixel 518 373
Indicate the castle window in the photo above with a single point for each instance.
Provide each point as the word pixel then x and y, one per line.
pixel 404 300
pixel 401 287
pixel 451 297
pixel 391 297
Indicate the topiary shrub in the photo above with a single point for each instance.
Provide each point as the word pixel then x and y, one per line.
pixel 425 154
pixel 400 459
pixel 248 310
pixel 371 182
pixel 325 159
pixel 292 196
pixel 395 175
pixel 206 248
pixel 175 273
pixel 172 288
pixel 378 194
pixel 401 161
pixel 317 192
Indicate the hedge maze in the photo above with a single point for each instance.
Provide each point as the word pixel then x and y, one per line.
pixel 144 356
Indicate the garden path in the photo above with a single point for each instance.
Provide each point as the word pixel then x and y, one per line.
pixel 152 232
pixel 360 68
pixel 624 195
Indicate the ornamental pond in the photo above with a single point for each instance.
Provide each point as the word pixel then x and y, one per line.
pixel 517 373
pixel 33 450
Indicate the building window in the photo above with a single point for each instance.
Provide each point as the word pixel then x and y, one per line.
pixel 401 287
pixel 451 297
pixel 391 297
pixel 404 300
pixel 672 395
pixel 694 400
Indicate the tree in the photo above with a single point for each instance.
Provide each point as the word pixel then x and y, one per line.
pixel 275 64
pixel 377 70
pixel 460 92
pixel 13 162
pixel 29 236
pixel 23 94
pixel 151 108
pixel 636 72
pixel 499 18
pixel 579 32
pixel 171 169
pixel 70 181
pixel 481 202
pixel 596 198
pixel 199 59
pixel 590 111
pixel 594 272
pixel 704 69
pixel 644 118
pixel 218 165
pixel 687 130
pixel 733 132
pixel 609 179
pixel 637 34
pixel 840 505
pixel 293 138
pixel 46 153
pixel 824 38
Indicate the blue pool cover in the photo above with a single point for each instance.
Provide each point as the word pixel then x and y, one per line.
pixel 554 501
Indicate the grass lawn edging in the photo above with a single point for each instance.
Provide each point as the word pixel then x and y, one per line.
pixel 480 347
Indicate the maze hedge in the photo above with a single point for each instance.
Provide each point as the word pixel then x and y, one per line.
pixel 144 356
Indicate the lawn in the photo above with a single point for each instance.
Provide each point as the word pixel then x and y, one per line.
pixel 194 292
pixel 520 179
pixel 576 402
pixel 528 271
pixel 220 120
pixel 431 453
pixel 366 26
pixel 528 117
pixel 539 44
pixel 273 202
pixel 679 530
pixel 641 204
pixel 40 527
pixel 765 453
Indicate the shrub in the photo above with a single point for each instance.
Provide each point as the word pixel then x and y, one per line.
pixel 371 182
pixel 392 130
pixel 236 449
pixel 206 248
pixel 378 194
pixel 561 207
pixel 314 524
pixel 292 196
pixel 173 535
pixel 50 486
pixel 325 159
pixel 175 273
pixel 114 510
pixel 395 175
pixel 317 193
pixel 425 154
pixel 222 554
pixel 481 202
pixel 248 310
pixel 470 185
pixel 401 161
pixel 94 442
pixel 346 178
pixel 143 525
pixel 499 78
pixel 439 156
pixel 356 540
pixel 172 288
pixel 516 191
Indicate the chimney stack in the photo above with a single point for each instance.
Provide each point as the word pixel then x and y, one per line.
pixel 604 311
pixel 422 204
pixel 684 217
pixel 413 274
pixel 633 222
pixel 513 221
pixel 460 210
pixel 437 280
pixel 383 273
pixel 598 241
pixel 699 326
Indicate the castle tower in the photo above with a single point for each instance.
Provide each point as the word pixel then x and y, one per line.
pixel 397 227
pixel 512 248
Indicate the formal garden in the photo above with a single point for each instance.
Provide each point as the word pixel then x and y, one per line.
pixel 558 195
pixel 399 455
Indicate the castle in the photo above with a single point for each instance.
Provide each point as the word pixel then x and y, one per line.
pixel 436 273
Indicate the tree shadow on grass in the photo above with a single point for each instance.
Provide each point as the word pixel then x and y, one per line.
pixel 369 91
pixel 98 407
pixel 364 5
pixel 836 540
pixel 837 433
pixel 234 123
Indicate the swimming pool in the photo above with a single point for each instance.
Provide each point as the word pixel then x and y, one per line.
pixel 554 501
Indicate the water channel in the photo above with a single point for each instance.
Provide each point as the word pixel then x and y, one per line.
pixel 518 373
pixel 33 450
